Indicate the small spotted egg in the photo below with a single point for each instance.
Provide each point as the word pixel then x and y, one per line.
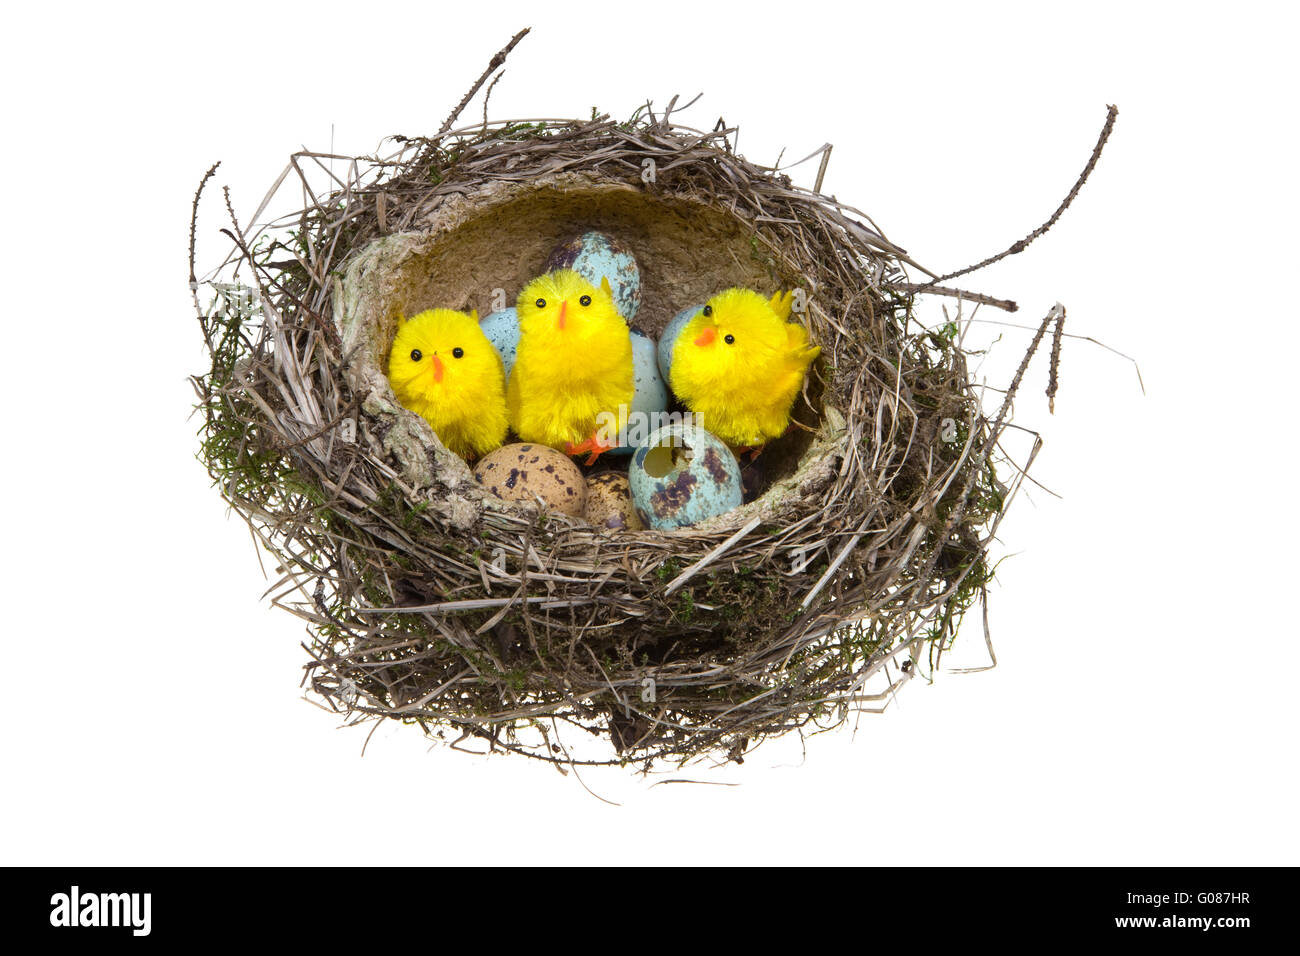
pixel 502 330
pixel 669 338
pixel 609 503
pixel 526 472
pixel 594 255
pixel 651 398
pixel 682 475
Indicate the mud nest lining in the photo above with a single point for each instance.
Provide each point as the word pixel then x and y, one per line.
pixel 430 601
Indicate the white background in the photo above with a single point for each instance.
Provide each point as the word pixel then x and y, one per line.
pixel 1143 709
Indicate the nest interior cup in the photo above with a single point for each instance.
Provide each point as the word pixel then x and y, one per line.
pixel 491 241
pixel 431 601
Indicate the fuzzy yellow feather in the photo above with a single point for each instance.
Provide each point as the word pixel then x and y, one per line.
pixel 574 362
pixel 738 364
pixel 443 368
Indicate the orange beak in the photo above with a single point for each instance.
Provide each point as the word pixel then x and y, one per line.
pixel 707 336
pixel 437 369
pixel 564 307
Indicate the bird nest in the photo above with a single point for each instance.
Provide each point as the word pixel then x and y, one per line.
pixel 429 600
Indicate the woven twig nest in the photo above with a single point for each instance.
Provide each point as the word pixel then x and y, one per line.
pixel 429 600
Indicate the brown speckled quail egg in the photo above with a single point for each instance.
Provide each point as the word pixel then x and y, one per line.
pixel 609 503
pixel 526 472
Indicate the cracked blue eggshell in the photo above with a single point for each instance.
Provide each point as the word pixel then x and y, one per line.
pixel 682 475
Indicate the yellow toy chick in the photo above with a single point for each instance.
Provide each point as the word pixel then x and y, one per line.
pixel 573 368
pixel 739 365
pixel 443 368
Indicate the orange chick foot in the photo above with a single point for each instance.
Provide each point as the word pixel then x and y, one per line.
pixel 592 445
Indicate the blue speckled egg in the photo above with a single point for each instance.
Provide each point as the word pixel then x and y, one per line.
pixel 595 254
pixel 669 338
pixel 682 475
pixel 502 330
pixel 651 397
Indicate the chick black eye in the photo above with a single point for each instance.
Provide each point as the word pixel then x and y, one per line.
pixel 458 352
pixel 708 310
pixel 541 303
pixel 585 300
pixel 416 355
pixel 730 339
